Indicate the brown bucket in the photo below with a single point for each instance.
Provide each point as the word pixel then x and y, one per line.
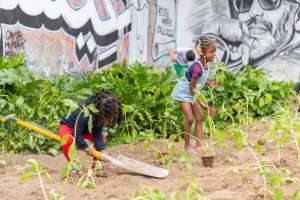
pixel 208 161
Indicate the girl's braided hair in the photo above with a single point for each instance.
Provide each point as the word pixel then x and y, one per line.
pixel 109 107
pixel 202 43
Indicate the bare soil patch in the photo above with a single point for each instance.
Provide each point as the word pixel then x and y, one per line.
pixel 218 183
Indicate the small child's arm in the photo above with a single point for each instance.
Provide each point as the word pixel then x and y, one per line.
pixel 203 105
pixel 98 139
pixel 172 53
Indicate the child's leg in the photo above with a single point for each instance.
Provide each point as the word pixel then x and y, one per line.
pixel 65 131
pixel 187 110
pixel 199 124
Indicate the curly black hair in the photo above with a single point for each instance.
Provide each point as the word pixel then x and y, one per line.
pixel 109 108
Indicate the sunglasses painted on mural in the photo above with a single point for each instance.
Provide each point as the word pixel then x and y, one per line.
pixel 245 5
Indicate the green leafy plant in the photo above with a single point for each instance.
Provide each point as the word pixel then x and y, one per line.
pixel 87 180
pixel 2 161
pixel 145 92
pixel 34 168
pixel 54 196
pixel 250 84
pixel 193 191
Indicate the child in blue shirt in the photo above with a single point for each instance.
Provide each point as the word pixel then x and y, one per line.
pixel 110 113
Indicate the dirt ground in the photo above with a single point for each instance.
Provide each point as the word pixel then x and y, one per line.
pixel 218 183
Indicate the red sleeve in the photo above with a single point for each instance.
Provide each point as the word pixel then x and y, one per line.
pixel 196 71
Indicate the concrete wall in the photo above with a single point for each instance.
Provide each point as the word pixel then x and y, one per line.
pixel 73 36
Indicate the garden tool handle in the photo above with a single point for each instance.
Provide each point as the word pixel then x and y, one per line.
pixel 8 117
pixel 37 129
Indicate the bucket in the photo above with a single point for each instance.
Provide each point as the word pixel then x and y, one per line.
pixel 179 69
pixel 207 161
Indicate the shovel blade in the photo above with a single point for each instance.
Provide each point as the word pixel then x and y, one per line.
pixel 137 166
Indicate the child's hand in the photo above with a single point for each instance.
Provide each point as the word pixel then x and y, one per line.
pixel 102 158
pixel 211 111
pixel 214 84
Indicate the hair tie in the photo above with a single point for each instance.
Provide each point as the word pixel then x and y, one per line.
pixel 199 42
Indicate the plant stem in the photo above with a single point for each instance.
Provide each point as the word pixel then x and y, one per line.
pixel 41 182
pixel 74 141
pixel 264 178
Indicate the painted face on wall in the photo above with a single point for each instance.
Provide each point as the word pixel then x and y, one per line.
pixel 270 23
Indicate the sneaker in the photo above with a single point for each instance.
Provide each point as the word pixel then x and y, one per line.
pixel 199 150
pixel 190 151
pixel 75 172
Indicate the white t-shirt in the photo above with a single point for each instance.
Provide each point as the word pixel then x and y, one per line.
pixel 181 56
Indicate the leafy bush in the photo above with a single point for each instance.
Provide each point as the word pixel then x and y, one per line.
pixel 145 92
pixel 247 91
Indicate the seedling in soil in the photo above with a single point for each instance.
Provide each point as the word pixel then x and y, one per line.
pixel 54 196
pixel 2 161
pixel 99 169
pixel 87 180
pixel 215 137
pixel 284 129
pixel 192 191
pixel 31 169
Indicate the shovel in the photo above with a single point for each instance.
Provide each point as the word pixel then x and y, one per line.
pixel 120 161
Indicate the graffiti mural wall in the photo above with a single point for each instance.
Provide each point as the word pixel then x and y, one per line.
pixel 262 33
pixel 75 36
pixel 64 35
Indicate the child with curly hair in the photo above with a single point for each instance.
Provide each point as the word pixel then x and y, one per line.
pixel 109 113
pixel 183 92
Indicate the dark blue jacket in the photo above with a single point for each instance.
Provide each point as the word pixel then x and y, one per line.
pixel 82 128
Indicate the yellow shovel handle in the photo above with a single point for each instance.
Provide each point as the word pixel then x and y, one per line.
pixel 39 130
pixel 42 131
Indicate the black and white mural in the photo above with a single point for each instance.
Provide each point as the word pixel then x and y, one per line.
pixel 262 33
pixel 72 32
pixel 73 36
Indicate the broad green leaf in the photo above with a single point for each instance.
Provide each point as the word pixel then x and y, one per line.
pixel 140 116
pixel 268 98
pixel 20 101
pixel 64 172
pixel 45 172
pixel 261 102
pixel 65 139
pixel 72 151
pixel 294 195
pixel 278 194
pixel 259 149
pixel 26 176
pixel 53 151
pixel 35 164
